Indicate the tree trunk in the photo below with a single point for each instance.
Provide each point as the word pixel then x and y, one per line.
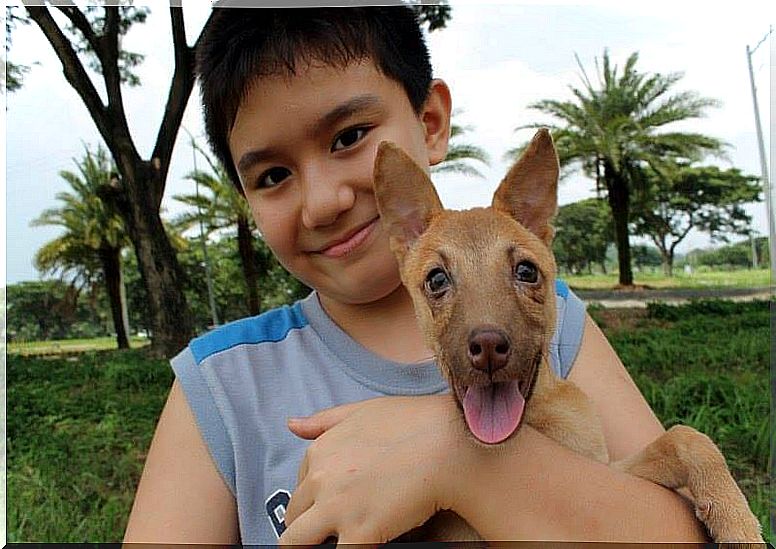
pixel 170 319
pixel 248 260
pixel 140 192
pixel 110 257
pixel 666 255
pixel 667 252
pixel 619 199
pixel 123 299
pixel 163 278
pixel 668 267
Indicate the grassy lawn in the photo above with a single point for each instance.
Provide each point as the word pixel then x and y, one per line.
pixel 55 347
pixel 705 364
pixel 700 278
pixel 79 426
pixel 78 429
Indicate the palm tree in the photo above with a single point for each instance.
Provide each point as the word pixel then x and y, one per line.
pixel 89 252
pixel 458 154
pixel 617 127
pixel 221 208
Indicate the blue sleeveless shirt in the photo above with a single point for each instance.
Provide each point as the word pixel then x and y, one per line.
pixel 244 379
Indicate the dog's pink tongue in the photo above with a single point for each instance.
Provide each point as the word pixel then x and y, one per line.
pixel 493 412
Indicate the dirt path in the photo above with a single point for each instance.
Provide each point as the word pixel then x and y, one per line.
pixel 639 298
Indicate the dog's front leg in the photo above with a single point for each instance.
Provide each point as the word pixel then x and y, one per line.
pixel 685 458
pixel 561 411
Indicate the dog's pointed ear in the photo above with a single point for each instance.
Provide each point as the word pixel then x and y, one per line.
pixel 529 192
pixel 406 198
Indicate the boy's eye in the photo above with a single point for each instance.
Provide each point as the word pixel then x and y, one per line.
pixel 272 177
pixel 348 138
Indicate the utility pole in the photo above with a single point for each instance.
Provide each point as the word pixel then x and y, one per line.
pixel 202 238
pixel 771 246
pixel 763 162
pixel 754 249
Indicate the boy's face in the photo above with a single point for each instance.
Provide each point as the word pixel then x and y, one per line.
pixel 304 147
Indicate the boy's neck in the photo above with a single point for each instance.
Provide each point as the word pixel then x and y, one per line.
pixel 379 325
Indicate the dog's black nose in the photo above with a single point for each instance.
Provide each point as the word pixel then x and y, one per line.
pixel 488 349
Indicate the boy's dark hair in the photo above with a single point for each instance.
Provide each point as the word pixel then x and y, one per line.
pixel 237 46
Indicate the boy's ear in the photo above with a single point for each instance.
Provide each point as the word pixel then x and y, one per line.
pixel 436 120
pixel 529 192
pixel 406 198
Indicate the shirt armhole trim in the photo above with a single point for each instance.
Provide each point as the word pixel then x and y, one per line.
pixel 571 328
pixel 208 418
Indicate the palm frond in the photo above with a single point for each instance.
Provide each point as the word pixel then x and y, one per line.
pixel 88 222
pixel 459 155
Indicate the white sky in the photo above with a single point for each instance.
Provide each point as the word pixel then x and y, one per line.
pixel 497 58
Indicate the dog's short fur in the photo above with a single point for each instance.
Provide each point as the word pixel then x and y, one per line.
pixel 483 286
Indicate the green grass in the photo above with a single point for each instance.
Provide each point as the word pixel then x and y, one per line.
pixel 78 429
pixel 700 279
pixel 79 426
pixel 63 346
pixel 705 364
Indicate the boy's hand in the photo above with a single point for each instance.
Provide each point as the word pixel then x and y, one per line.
pixel 375 470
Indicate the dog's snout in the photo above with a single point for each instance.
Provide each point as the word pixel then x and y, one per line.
pixel 488 349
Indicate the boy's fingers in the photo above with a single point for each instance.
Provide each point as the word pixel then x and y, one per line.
pixel 315 425
pixel 301 501
pixel 308 529
pixel 305 428
pixel 302 470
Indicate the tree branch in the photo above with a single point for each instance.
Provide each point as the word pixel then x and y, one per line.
pixel 79 21
pixel 110 63
pixel 178 35
pixel 180 89
pixel 660 244
pixel 73 70
pixel 681 237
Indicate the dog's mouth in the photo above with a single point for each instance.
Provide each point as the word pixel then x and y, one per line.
pixel 494 411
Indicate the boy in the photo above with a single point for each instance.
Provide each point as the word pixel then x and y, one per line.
pixel 296 102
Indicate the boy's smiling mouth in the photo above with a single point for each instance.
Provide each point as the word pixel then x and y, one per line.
pixel 343 246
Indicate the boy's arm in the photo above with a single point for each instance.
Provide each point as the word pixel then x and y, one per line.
pixel 628 422
pixel 181 497
pixel 544 491
pixel 573 496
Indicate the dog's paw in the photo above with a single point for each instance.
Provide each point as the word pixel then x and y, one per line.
pixel 703 510
pixel 729 524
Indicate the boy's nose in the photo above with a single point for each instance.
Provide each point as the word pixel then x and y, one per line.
pixel 323 202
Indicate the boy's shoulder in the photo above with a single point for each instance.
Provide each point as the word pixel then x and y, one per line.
pixel 272 326
pixel 275 326
pixel 561 288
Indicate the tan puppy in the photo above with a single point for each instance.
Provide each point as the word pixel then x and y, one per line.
pixel 483 286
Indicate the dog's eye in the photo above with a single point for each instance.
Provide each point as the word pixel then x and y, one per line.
pixel 526 272
pixel 437 281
